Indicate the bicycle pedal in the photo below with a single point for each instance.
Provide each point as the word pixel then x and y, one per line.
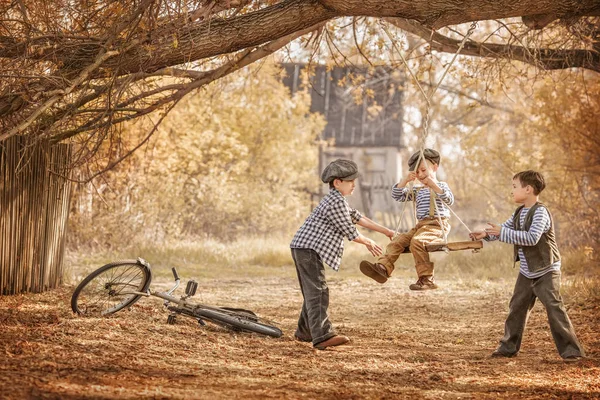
pixel 201 322
pixel 190 288
pixel 171 319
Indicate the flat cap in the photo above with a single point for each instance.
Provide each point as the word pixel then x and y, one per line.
pixel 345 170
pixel 429 154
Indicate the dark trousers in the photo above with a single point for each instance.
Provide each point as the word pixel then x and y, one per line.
pixel 547 289
pixel 313 324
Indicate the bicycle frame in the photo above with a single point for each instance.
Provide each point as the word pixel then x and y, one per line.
pixel 167 295
pixel 100 298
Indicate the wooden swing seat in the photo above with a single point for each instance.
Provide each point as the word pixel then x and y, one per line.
pixel 452 246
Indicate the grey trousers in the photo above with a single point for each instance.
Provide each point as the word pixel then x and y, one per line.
pixel 313 324
pixel 547 289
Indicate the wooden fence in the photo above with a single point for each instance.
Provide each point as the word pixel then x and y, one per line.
pixel 34 208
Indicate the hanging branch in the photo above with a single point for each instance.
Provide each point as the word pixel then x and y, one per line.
pixel 546 58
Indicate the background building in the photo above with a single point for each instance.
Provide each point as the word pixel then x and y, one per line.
pixel 364 113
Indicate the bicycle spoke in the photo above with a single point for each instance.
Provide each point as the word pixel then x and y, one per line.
pixel 111 288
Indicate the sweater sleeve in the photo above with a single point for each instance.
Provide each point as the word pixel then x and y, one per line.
pixel 507 224
pixel 447 196
pixel 539 225
pixel 401 194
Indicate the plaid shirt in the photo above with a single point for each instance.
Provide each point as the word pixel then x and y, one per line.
pixel 325 228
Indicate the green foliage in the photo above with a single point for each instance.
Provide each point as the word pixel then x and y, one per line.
pixel 239 157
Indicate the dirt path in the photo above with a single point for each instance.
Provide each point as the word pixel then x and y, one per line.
pixel 404 345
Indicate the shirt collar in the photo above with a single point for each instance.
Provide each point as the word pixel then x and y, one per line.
pixel 334 192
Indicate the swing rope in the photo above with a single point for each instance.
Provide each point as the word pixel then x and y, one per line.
pixel 425 133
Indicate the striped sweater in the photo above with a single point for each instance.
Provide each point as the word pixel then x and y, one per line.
pixel 540 224
pixel 422 195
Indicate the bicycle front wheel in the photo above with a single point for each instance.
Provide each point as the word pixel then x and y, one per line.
pixel 243 320
pixel 111 288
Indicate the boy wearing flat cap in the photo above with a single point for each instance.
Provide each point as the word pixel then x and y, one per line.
pixel 321 240
pixel 431 200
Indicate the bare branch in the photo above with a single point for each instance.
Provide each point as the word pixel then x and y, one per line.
pixel 82 77
pixel 245 58
pixel 546 58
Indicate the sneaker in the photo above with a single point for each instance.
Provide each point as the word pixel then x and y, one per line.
pixel 375 271
pixel 423 283
pixel 337 340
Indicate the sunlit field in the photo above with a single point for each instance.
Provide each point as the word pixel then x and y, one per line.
pixel 434 344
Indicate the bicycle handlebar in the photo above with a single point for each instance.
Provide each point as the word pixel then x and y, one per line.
pixel 177 280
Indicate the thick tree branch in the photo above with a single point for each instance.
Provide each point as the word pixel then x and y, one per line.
pixel 204 39
pixel 148 42
pixel 549 59
pixel 438 14
pixel 242 60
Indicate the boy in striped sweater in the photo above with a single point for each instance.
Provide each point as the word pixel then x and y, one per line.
pixel 531 231
pixel 431 200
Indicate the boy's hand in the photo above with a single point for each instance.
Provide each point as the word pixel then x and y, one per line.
pixel 477 235
pixel 412 175
pixel 493 229
pixel 390 233
pixel 427 181
pixel 374 248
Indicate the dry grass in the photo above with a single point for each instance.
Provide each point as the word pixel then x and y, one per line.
pixel 404 344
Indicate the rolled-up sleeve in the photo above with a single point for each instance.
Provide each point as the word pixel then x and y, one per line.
pixel 355 215
pixel 341 217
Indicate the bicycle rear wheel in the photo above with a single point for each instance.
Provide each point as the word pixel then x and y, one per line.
pixel 242 320
pixel 111 288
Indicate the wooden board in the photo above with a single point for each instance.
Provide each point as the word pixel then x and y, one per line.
pixel 452 246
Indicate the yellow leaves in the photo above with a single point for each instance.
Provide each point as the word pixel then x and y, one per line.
pixel 238 156
pixel 374 110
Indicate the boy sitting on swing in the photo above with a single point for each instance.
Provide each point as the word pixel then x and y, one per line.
pixel 431 200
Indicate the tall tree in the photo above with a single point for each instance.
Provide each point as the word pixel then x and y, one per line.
pixel 76 69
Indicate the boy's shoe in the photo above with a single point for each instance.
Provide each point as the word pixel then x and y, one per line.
pixel 423 283
pixel 336 340
pixel 571 359
pixel 498 353
pixel 302 339
pixel 375 271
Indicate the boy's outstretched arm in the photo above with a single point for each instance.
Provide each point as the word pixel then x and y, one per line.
pixel 539 225
pixel 478 235
pixel 492 232
pixel 344 219
pixel 373 247
pixel 374 226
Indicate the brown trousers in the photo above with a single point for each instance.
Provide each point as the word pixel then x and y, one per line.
pixel 426 231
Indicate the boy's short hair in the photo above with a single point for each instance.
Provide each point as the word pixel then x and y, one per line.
pixel 533 179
